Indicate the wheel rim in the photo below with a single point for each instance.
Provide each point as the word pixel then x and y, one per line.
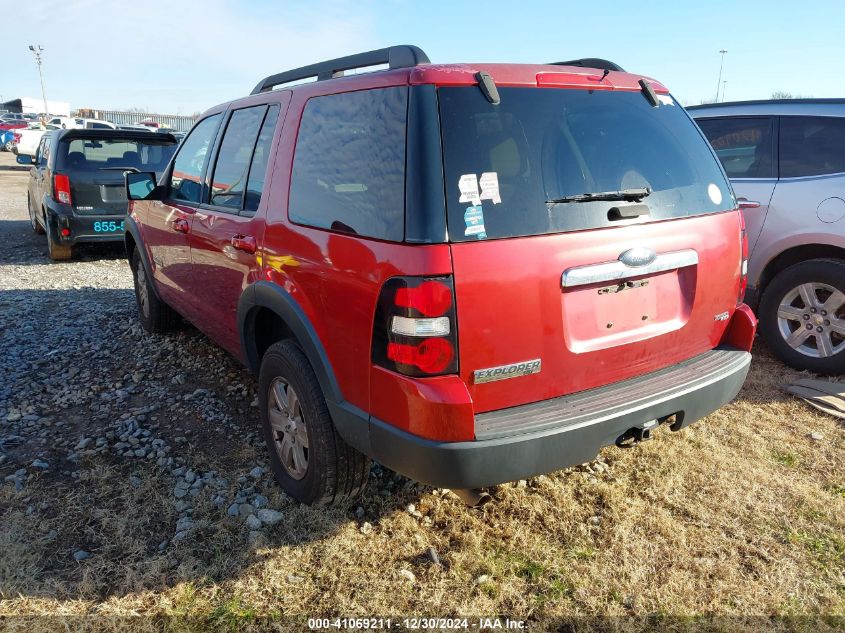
pixel 143 299
pixel 287 424
pixel 811 320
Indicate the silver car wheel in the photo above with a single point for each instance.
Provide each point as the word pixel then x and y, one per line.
pixel 811 320
pixel 290 437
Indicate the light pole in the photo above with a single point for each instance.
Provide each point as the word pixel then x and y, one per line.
pixel 37 50
pixel 721 65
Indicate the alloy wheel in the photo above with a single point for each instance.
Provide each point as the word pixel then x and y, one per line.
pixel 811 319
pixel 290 437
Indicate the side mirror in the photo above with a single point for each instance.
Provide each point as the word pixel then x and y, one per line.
pixel 25 159
pixel 140 185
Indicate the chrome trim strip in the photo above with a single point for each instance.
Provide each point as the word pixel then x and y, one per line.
pixel 613 271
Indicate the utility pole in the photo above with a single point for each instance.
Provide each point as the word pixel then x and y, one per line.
pixel 721 65
pixel 37 50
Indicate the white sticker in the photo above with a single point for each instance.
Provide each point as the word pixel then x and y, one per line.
pixel 665 99
pixel 489 183
pixel 468 184
pixel 715 193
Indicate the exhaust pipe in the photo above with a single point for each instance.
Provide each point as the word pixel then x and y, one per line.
pixel 473 497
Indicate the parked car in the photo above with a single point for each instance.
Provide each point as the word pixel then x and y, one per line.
pixel 786 161
pixel 13 125
pixel 7 140
pixel 74 123
pixel 12 116
pixel 27 141
pixel 471 284
pixel 76 192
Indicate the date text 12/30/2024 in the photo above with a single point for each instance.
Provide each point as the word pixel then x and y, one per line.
pixel 417 624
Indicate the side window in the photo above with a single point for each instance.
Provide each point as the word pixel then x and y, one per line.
pixel 349 167
pixel 260 160
pixel 39 152
pixel 811 146
pixel 232 167
pixel 45 152
pixel 186 179
pixel 745 146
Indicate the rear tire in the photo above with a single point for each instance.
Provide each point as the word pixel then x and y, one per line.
pixel 156 316
pixel 802 316
pixel 33 219
pixel 290 398
pixel 58 252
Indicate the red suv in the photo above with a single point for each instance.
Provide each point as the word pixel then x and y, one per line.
pixel 469 273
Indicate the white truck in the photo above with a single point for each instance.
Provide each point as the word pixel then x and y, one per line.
pixel 26 141
pixel 73 123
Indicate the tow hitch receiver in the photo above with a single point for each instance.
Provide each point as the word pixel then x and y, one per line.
pixel 636 434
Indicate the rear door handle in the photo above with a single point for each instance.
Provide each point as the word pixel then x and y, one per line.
pixel 180 225
pixel 245 243
pixel 745 203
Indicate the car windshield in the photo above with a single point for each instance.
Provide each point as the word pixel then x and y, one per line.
pixel 528 165
pixel 91 154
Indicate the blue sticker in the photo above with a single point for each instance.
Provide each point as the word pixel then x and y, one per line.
pixel 474 219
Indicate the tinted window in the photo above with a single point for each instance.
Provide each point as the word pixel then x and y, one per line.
pixel 186 180
pixel 744 145
pixel 349 168
pixel 811 146
pixel 260 159
pixel 230 173
pixel 505 165
pixel 81 154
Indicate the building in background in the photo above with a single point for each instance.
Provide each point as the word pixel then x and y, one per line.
pixel 28 105
pixel 173 121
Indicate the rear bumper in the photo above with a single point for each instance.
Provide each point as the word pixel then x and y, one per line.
pixel 84 228
pixel 545 436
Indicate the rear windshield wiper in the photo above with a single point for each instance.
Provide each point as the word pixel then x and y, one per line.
pixel 633 195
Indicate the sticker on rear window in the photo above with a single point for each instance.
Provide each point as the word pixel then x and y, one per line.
pixel 715 193
pixel 474 219
pixel 489 183
pixel 468 184
pixel 665 100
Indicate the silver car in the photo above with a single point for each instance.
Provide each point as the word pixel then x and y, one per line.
pixel 786 161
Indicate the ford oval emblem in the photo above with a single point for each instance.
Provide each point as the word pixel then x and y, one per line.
pixel 638 256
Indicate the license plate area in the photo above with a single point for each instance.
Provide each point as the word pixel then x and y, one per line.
pixel 113 193
pixel 600 316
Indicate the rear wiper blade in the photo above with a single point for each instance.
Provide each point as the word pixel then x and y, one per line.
pixel 633 195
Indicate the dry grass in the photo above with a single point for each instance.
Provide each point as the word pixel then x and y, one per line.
pixel 742 514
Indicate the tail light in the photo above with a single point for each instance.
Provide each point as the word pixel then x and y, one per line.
pixel 61 189
pixel 743 262
pixel 415 331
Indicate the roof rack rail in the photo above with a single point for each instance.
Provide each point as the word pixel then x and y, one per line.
pixel 591 62
pixel 402 56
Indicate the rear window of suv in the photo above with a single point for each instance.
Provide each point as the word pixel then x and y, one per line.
pixel 81 154
pixel 505 163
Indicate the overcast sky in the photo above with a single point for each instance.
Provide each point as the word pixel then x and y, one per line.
pixel 183 56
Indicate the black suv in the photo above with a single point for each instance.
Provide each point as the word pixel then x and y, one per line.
pixel 76 191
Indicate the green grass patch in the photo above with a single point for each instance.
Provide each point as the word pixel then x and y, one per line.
pixel 790 460
pixel 232 615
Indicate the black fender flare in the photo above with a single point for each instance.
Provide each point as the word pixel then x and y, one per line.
pixel 131 228
pixel 351 422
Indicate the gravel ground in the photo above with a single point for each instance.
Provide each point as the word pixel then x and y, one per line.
pixel 83 384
